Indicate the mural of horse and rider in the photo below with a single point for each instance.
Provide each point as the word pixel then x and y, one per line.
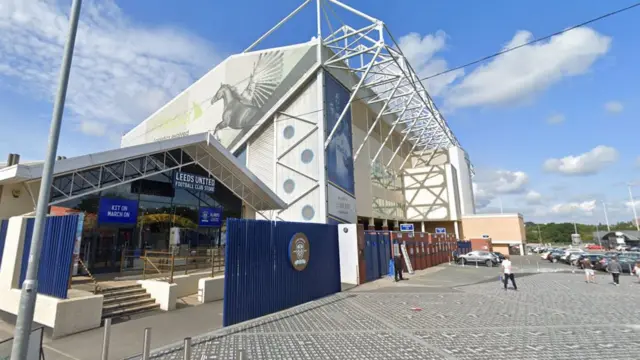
pixel 230 100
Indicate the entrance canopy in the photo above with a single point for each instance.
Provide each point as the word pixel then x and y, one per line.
pixel 87 174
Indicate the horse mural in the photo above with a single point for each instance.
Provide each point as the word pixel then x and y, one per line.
pixel 240 110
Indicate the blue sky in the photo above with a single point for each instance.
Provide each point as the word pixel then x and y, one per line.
pixel 550 128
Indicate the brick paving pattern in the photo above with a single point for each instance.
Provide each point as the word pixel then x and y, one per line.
pixel 552 316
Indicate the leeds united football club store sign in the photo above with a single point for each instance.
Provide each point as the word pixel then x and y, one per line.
pixel 299 251
pixel 182 180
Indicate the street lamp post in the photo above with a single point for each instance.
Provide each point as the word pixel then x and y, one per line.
pixel 606 217
pixel 633 206
pixel 30 284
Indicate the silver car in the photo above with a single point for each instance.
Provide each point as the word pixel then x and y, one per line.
pixel 479 257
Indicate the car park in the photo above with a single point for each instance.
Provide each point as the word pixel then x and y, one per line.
pixel 499 256
pixel 594 258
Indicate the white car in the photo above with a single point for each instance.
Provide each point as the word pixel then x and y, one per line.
pixel 568 253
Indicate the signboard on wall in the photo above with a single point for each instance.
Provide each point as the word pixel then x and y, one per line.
pixel 406 227
pixel 341 205
pixel 339 157
pixel 183 180
pixel 117 211
pixel 441 230
pixel 210 217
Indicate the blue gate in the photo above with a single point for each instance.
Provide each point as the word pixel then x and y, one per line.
pixel 377 254
pixel 4 224
pixel 259 277
pixel 57 254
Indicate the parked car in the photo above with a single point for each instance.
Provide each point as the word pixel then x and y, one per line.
pixel 594 247
pixel 594 258
pixel 628 261
pixel 622 247
pixel 565 258
pixel 573 257
pixel 479 257
pixel 555 256
pixel 499 256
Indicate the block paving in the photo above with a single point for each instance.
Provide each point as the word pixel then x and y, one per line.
pixel 551 316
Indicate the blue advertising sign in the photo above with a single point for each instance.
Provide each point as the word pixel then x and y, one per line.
pixel 117 211
pixel 340 150
pixel 406 227
pixel 210 217
pixel 183 180
pixel 440 230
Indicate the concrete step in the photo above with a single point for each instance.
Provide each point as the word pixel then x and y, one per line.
pixel 129 311
pixel 129 304
pixel 109 289
pixel 125 298
pixel 123 292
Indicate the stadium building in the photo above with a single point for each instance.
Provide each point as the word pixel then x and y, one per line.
pixel 339 129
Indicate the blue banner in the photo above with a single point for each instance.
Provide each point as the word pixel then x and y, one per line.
pixel 117 211
pixel 210 217
pixel 182 180
pixel 339 157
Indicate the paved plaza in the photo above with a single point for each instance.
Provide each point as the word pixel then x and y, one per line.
pixel 446 313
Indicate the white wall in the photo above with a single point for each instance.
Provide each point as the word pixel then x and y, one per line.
pixel 348 244
pixel 465 187
pixel 10 205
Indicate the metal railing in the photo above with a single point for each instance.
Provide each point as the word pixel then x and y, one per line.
pixel 167 264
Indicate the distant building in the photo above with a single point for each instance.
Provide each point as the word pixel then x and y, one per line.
pixel 615 238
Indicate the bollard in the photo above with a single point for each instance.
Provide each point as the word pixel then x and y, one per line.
pixel 538 265
pixel 476 264
pixel 146 344
pixel 187 349
pixel 105 340
pixel 241 355
pixel 629 265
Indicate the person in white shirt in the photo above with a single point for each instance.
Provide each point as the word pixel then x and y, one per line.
pixel 507 273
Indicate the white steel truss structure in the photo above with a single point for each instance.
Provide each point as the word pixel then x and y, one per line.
pixel 371 53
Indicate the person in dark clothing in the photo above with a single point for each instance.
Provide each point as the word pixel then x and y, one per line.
pixel 397 265
pixel 615 269
pixel 456 256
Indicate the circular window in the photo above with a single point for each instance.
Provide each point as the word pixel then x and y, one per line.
pixel 306 156
pixel 308 212
pixel 288 186
pixel 288 132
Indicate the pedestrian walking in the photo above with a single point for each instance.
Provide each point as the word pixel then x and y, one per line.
pixel 636 270
pixel 507 273
pixel 456 256
pixel 589 273
pixel 615 269
pixel 397 266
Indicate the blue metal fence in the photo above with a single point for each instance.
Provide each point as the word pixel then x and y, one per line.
pixel 57 254
pixel 4 224
pixel 259 278
pixel 377 254
pixel 464 247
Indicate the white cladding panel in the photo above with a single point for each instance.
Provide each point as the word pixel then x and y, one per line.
pixel 229 100
pixel 362 167
pixel 260 157
pixel 299 173
pixel 426 193
pixel 465 188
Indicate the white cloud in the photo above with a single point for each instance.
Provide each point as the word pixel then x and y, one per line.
pixel 630 204
pixel 585 207
pixel 588 163
pixel 420 51
pixel 121 71
pixel 93 128
pixel 555 119
pixel 488 185
pixel 521 74
pixel 614 107
pixel 533 197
